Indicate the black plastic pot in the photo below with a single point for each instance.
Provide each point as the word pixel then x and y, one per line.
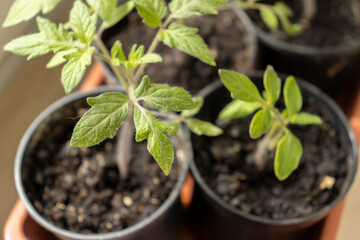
pixel 249 64
pixel 223 221
pixel 164 223
pixel 327 67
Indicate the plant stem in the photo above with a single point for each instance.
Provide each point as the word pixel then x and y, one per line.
pixel 309 11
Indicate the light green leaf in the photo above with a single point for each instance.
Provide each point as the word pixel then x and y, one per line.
pixel 287 156
pixel 188 8
pixel 186 40
pixel 162 96
pixel 175 127
pixel 104 8
pixel 74 69
pixel 144 84
pixel 82 23
pixel 240 86
pixel 150 58
pixel 289 28
pixel 272 84
pixel 197 104
pixel 118 52
pixel 203 128
pixel 304 118
pixel 23 10
pixel 284 8
pixel 238 109
pixel 292 96
pixel 152 11
pixel 269 18
pixel 260 123
pixel 58 58
pixel 119 13
pixel 159 146
pixel 107 114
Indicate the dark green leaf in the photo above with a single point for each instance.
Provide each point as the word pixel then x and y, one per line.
pixel 186 39
pixel 240 86
pixel 272 84
pixel 238 109
pixel 152 11
pixel 304 118
pixel 287 156
pixel 188 8
pixel 203 128
pixel 260 123
pixel 292 96
pixel 107 114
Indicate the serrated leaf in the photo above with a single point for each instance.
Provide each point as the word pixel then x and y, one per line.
pixel 118 52
pixel 160 147
pixel 82 22
pixel 58 58
pixel 272 84
pixel 269 18
pixel 260 123
pixel 197 104
pixel 200 127
pixel 119 13
pixel 238 109
pixel 292 96
pixel 104 8
pixel 240 86
pixel 186 39
pixel 287 156
pixel 145 123
pixel 284 8
pixel 144 84
pixel 74 69
pixel 304 118
pixel 150 58
pixel 164 97
pixel 107 114
pixel 152 11
pixel 188 8
pixel 28 45
pixel 23 10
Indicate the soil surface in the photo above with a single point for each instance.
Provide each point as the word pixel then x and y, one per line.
pixel 336 22
pixel 226 165
pixel 79 188
pixel 224 33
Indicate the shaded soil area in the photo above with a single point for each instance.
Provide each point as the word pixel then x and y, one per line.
pixel 79 188
pixel 225 35
pixel 226 165
pixel 336 22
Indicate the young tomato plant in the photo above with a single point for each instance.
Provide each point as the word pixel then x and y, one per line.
pixel 268 119
pixel 73 43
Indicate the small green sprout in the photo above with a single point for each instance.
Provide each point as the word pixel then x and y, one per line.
pixel 268 119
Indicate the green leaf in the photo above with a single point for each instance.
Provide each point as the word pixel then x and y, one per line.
pixel 203 128
pixel 104 8
pixel 107 114
pixel 238 109
pixel 269 18
pixel 197 104
pixel 240 86
pixel 188 8
pixel 82 23
pixel 289 28
pixel 118 13
pixel 175 127
pixel 150 58
pixel 186 39
pixel 162 96
pixel 272 84
pixel 260 123
pixel 159 146
pixel 58 58
pixel 118 52
pixel 74 69
pixel 287 156
pixel 284 8
pixel 144 84
pixel 28 45
pixel 292 96
pixel 304 118
pixel 152 11
pixel 23 10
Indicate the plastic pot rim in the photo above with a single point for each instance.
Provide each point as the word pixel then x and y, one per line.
pixel 290 221
pixel 124 233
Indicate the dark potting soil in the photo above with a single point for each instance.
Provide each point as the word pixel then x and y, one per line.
pixel 336 22
pixel 226 167
pixel 225 35
pixel 79 188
